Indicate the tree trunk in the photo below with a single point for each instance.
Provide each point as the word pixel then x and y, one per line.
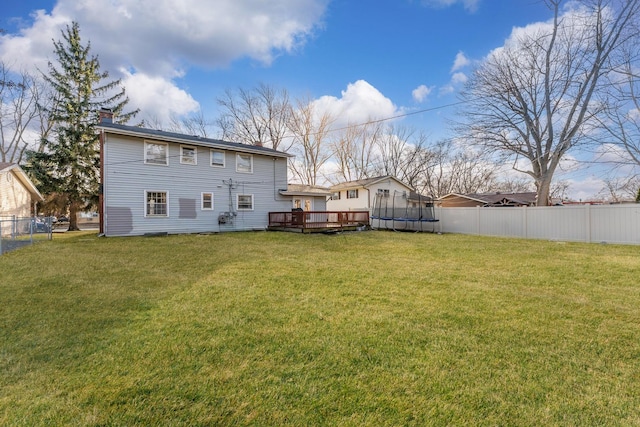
pixel 73 217
pixel 543 190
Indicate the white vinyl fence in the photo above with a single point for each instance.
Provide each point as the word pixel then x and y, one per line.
pixel 580 223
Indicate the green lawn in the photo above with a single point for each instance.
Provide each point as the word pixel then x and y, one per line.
pixel 372 328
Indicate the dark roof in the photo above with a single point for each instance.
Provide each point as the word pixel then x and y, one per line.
pixel 413 195
pixel 365 182
pixel 500 199
pixel 188 139
pixel 527 198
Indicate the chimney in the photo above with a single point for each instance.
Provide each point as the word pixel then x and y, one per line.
pixel 105 115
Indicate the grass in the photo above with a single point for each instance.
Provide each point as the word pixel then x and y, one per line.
pixel 374 328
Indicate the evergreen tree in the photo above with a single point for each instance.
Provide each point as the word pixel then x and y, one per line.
pixel 67 169
pixel 638 196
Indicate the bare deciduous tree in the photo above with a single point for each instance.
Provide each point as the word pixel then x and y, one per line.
pixel 535 97
pixel 355 151
pixel 309 129
pixel 451 169
pixel 619 189
pixel 259 116
pixel 622 119
pixel 509 184
pixel 195 124
pixel 403 154
pixel 20 94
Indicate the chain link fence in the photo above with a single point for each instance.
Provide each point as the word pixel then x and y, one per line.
pixel 16 232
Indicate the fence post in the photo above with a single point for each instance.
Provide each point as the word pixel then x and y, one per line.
pixel 0 237
pixel 587 221
pixel 478 220
pixel 525 215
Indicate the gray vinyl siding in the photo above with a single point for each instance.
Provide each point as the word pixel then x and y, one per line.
pixel 127 178
pixel 320 203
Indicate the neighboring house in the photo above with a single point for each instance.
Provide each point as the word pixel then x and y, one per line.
pixel 160 182
pixel 18 195
pixel 307 197
pixel 360 195
pixel 454 200
pixel 417 200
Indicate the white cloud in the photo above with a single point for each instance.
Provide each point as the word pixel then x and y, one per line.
pixel 576 21
pixel 160 34
pixel 158 40
pixel 461 61
pixel 459 78
pixel 158 98
pixel 585 189
pixel 359 103
pixel 32 48
pixel 446 90
pixel 421 92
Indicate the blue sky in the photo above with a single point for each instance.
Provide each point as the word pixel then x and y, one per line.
pixel 362 58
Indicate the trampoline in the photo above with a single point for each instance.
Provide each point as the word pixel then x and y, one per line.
pixel 403 212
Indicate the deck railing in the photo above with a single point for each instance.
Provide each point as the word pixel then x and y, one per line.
pixel 318 219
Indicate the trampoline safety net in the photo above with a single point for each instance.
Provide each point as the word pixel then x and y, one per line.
pixel 402 211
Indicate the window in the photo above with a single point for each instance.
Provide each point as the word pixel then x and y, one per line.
pixel 217 158
pixel 245 202
pixel 244 163
pixel 207 201
pixel 383 192
pixel 297 204
pixel 156 203
pixel 352 194
pixel 156 153
pixel 335 196
pixel 188 155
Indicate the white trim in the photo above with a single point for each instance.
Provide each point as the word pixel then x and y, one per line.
pixel 224 158
pixel 146 159
pixel 238 155
pixel 146 193
pixel 238 202
pixel 195 155
pixel 202 201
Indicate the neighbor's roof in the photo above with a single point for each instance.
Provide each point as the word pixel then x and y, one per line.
pixel 525 198
pixel 413 195
pixel 187 139
pixel 6 167
pixel 367 182
pixel 305 190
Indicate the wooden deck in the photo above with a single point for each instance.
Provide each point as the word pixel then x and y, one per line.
pixel 318 221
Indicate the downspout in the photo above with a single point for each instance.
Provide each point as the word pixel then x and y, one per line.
pixel 101 209
pixel 275 186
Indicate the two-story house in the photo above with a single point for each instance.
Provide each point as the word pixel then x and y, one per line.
pixel 360 195
pixel 161 182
